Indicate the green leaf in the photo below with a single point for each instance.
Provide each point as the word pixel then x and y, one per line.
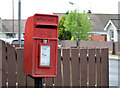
pixel 78 25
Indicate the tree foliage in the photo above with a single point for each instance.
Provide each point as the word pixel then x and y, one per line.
pixel 63 34
pixel 78 24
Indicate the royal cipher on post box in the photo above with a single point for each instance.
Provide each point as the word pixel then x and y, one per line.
pixel 40 45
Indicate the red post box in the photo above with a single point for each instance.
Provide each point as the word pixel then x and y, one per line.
pixel 40 48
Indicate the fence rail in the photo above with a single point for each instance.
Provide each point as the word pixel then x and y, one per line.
pixel 112 46
pixel 76 67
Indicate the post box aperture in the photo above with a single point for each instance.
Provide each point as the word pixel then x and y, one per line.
pixel 40 49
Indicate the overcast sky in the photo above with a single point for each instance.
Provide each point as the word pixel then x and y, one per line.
pixel 30 7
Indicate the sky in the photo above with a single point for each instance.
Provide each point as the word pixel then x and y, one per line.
pixel 30 7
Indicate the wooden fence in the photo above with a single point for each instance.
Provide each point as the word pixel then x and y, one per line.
pixel 76 67
pixel 112 46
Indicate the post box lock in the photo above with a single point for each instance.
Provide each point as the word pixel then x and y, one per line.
pixel 40 48
pixel 45 41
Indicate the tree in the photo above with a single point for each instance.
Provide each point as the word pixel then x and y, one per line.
pixel 78 24
pixel 62 34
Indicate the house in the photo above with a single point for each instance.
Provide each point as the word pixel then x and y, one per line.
pixel 99 22
pixel 112 28
pixel 6 28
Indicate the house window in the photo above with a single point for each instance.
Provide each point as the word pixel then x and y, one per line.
pixel 112 35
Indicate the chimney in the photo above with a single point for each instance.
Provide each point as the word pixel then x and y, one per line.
pixel 89 11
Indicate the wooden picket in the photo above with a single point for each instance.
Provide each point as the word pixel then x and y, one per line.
pixel 76 67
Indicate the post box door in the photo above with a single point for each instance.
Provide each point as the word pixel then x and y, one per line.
pixel 45 57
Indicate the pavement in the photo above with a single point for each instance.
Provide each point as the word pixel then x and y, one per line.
pixel 114 57
pixel 114 73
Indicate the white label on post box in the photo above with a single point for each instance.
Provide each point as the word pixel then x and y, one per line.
pixel 45 55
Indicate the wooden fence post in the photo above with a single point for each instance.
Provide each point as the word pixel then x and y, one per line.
pixel 92 72
pixel 105 67
pixel 75 67
pixel 58 79
pixel 66 67
pixel 83 67
pixel 4 64
pixel 21 76
pixel 12 79
pixel 0 63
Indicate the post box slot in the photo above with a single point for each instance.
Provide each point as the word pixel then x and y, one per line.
pixel 46 26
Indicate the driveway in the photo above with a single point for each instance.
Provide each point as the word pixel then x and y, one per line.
pixel 114 65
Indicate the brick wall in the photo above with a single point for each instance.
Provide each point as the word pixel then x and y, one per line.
pixel 98 38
